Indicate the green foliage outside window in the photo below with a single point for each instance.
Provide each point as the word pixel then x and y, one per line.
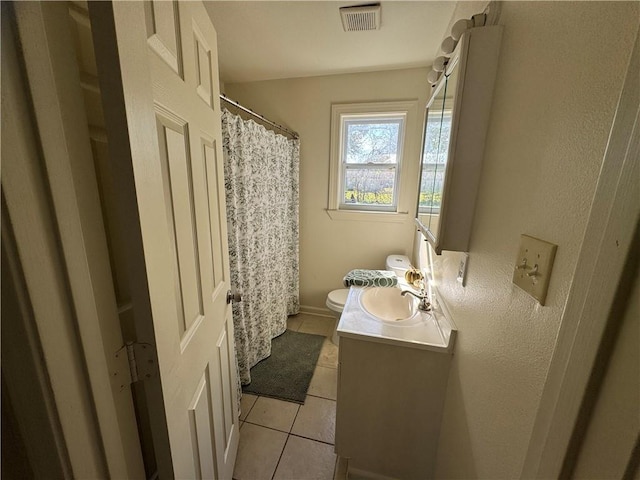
pixel 384 197
pixel 430 199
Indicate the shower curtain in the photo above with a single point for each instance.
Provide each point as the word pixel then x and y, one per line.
pixel 261 182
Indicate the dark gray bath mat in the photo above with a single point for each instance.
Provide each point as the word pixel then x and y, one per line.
pixel 286 374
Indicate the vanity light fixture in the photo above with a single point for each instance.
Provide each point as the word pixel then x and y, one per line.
pixel 460 27
pixel 489 16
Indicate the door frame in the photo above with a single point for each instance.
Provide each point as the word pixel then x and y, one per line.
pixel 606 246
pixel 97 417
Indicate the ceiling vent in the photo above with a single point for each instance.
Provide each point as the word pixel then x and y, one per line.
pixel 361 18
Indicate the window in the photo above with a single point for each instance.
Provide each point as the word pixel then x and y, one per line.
pixel 367 144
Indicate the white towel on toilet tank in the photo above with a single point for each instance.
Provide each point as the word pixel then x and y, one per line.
pixel 370 278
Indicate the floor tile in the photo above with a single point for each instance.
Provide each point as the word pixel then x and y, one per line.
pixel 316 420
pixel 258 452
pixel 246 402
pixel 328 355
pixel 294 322
pixel 324 383
pixel 273 413
pixel 318 325
pixel 306 459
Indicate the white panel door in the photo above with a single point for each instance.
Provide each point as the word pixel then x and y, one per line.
pixel 167 57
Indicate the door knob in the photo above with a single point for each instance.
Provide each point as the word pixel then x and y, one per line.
pixel 233 296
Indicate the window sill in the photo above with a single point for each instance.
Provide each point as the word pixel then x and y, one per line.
pixel 366 216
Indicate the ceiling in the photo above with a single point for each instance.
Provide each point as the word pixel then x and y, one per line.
pixel 265 40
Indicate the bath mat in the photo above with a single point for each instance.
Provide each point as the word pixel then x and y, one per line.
pixel 286 374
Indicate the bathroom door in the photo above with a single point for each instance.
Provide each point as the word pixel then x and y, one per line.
pixel 158 70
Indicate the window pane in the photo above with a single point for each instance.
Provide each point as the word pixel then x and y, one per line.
pixel 370 186
pixel 371 141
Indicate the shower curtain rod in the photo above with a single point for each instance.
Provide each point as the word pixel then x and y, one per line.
pixel 257 115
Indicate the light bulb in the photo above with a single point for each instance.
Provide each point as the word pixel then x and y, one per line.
pixel 433 76
pixel 439 63
pixel 460 27
pixel 448 45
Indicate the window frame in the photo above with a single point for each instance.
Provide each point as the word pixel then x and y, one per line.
pixel 390 118
pixel 340 115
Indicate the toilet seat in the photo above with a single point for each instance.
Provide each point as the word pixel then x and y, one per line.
pixel 337 298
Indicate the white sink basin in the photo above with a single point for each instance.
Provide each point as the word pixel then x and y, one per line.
pixel 381 314
pixel 387 304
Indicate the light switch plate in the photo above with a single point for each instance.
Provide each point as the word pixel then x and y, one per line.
pixel 533 266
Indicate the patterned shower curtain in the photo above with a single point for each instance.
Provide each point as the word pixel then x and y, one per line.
pixel 261 182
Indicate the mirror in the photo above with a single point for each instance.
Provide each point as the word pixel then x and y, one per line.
pixel 455 128
pixel 435 153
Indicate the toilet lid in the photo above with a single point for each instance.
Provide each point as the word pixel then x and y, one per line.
pixel 338 297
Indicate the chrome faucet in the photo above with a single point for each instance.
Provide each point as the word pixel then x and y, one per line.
pixel 424 304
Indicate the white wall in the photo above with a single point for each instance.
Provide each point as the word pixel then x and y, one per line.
pixel 329 248
pixel 559 77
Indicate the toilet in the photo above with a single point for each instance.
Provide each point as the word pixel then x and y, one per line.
pixel 336 299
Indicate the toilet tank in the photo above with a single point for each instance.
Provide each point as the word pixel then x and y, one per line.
pixel 399 264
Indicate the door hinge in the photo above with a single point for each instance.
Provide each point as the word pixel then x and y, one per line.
pixel 135 362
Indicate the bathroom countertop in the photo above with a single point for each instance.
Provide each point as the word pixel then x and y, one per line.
pixel 425 330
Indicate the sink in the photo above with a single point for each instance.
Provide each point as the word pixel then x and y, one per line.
pixel 381 314
pixel 387 304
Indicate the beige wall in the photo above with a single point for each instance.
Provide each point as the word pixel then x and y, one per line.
pixel 559 77
pixel 329 248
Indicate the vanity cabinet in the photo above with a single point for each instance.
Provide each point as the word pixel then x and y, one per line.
pixel 456 124
pixel 389 408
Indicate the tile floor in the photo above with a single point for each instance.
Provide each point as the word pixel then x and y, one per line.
pixel 282 440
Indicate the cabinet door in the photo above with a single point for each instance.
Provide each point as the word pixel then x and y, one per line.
pixel 435 153
pixel 456 124
pixel 389 407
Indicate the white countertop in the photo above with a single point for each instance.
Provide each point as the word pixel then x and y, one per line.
pixel 425 330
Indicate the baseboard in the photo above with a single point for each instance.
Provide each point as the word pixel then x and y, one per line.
pixel 356 473
pixel 321 312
